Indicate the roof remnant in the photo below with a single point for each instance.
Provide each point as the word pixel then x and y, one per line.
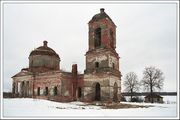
pixel 100 15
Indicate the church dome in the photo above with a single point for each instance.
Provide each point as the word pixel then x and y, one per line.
pixel 44 50
pixel 44 58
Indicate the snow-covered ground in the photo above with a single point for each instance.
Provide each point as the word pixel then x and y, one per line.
pixel 169 99
pixel 28 108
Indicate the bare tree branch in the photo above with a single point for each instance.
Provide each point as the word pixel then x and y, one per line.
pixel 131 83
pixel 152 79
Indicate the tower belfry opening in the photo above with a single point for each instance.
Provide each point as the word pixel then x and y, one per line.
pixel 97 37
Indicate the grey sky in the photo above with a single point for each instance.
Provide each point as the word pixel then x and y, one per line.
pixel 146 36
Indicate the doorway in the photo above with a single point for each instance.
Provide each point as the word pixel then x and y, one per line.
pixel 79 92
pixel 97 92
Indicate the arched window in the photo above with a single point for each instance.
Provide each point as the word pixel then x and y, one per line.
pixel 97 42
pixel 55 90
pixel 46 91
pixel 113 66
pixel 97 64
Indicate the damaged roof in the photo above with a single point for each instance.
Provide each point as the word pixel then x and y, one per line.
pixel 44 50
pixel 23 72
pixel 100 16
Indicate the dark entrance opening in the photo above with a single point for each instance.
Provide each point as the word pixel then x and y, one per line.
pixel 97 92
pixel 46 92
pixel 38 91
pixel 79 92
pixel 55 91
pixel 97 64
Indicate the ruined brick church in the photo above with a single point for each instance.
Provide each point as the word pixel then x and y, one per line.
pixel 101 80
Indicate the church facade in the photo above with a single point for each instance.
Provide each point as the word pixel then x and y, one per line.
pixel 101 80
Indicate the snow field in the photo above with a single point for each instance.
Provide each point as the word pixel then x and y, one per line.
pixel 27 107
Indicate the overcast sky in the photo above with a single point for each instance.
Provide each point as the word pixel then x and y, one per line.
pixel 145 34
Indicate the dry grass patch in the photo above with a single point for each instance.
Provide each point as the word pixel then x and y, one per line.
pixel 117 105
pixel 122 106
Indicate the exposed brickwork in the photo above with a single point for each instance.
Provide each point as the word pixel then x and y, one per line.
pixel 43 58
pixel 101 79
pixel 102 61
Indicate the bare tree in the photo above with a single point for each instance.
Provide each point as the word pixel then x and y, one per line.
pixel 131 83
pixel 152 80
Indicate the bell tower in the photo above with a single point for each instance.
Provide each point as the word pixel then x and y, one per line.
pixel 102 78
pixel 102 32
